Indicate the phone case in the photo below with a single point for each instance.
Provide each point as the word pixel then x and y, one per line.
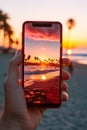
pixel 41 64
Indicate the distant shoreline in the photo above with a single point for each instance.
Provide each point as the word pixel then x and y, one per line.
pixel 41 64
pixel 7 55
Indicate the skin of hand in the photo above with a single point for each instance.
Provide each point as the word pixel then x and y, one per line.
pixel 16 115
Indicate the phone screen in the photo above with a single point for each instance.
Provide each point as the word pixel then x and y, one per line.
pixel 42 63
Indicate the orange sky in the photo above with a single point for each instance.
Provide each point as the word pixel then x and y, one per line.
pixel 57 10
pixel 42 42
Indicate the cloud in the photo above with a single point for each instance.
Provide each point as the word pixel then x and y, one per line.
pixel 40 33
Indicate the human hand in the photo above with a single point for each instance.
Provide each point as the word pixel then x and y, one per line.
pixel 16 114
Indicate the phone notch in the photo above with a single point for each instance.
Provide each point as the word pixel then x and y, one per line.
pixel 41 24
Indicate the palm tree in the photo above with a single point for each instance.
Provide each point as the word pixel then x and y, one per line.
pixel 17 42
pixel 28 57
pixel 36 58
pixel 1 17
pixel 11 41
pixel 70 24
pixel 8 32
pixel 4 25
pixel 3 22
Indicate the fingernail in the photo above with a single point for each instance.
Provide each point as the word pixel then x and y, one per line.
pixel 65 62
pixel 65 76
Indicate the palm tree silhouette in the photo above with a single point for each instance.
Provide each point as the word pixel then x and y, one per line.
pixel 17 42
pixel 8 32
pixel 36 58
pixel 70 24
pixel 28 57
pixel 49 59
pixel 4 25
pixel 3 22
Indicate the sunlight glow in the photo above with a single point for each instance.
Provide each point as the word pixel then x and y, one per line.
pixel 43 77
pixel 42 58
pixel 69 51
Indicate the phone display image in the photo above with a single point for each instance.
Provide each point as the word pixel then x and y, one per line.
pixel 42 63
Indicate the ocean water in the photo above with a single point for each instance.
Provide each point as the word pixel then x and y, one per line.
pixel 39 69
pixel 36 73
pixel 78 55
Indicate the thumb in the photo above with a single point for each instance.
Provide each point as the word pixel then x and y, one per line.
pixel 13 66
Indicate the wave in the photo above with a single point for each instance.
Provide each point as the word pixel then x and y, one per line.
pixel 40 71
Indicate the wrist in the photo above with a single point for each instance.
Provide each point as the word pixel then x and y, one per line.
pixel 13 123
pixel 6 123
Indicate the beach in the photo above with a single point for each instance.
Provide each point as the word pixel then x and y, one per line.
pixel 4 60
pixel 72 115
pixel 44 92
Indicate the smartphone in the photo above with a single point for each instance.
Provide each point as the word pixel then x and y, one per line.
pixel 41 65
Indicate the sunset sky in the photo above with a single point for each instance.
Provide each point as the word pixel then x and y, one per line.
pixel 54 10
pixel 42 42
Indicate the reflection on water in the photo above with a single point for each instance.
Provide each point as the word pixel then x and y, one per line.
pixel 39 73
pixel 77 55
pixel 48 75
pixel 43 77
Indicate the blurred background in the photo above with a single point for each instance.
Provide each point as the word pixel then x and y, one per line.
pixel 72 15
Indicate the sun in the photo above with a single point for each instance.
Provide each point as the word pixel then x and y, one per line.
pixel 42 58
pixel 43 77
pixel 69 52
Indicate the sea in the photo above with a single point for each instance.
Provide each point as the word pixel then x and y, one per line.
pixel 36 73
pixel 72 115
pixel 77 55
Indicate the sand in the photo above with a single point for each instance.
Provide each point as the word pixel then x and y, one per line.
pixel 46 91
pixel 4 60
pixel 72 115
